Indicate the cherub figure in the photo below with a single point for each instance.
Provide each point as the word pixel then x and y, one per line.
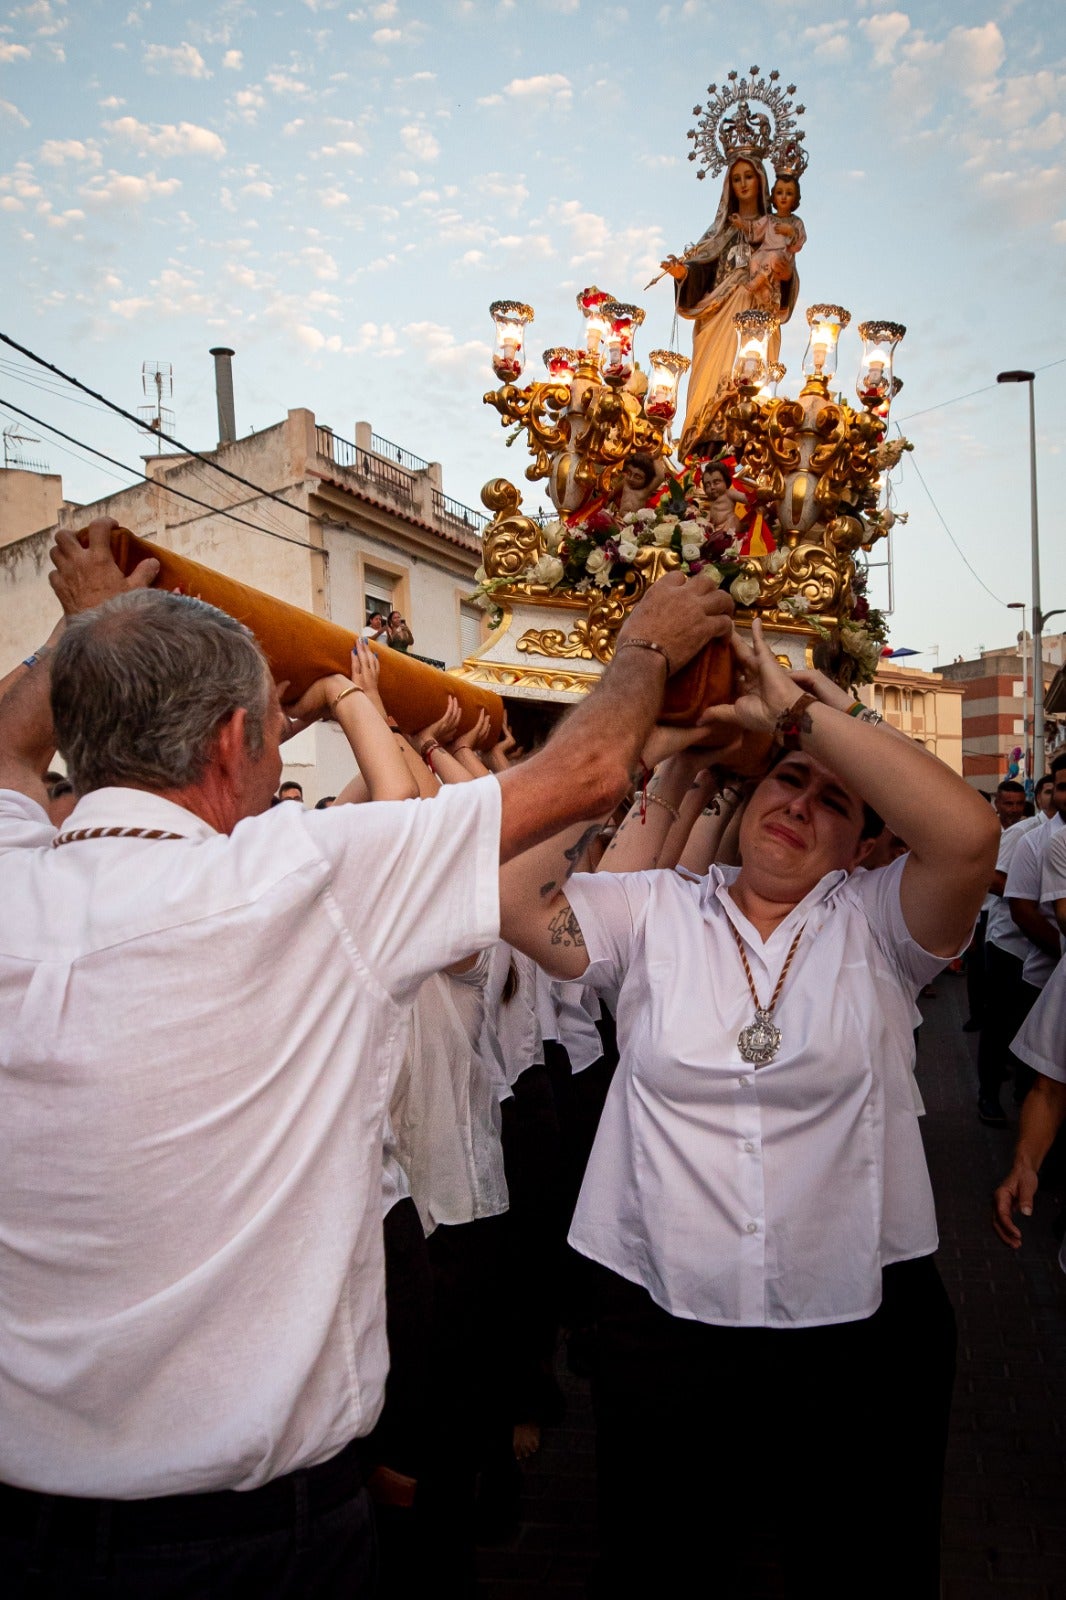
pixel 779 237
pixel 722 499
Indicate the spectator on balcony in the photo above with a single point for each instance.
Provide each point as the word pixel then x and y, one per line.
pixel 400 636
pixel 376 628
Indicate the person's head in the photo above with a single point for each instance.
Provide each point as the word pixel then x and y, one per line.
pixel 1044 793
pixel 1058 793
pixel 785 195
pixel 395 619
pixel 159 691
pixel 716 480
pixel 638 472
pixel 1009 802
pixel 800 823
pixel 326 801
pixel 745 187
pixel 291 791
pixel 376 620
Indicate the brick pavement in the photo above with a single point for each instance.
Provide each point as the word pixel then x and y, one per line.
pixel 1005 1503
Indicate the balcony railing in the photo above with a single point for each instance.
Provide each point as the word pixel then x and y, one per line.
pixel 395 452
pixel 456 516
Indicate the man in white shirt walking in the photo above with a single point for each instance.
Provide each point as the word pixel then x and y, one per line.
pixel 198 1025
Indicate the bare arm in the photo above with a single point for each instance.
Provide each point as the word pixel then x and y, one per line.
pixel 1027 915
pixel 1043 1114
pixel 952 833
pixel 356 707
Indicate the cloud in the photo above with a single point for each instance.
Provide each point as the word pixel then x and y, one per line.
pixel 184 60
pixel 884 31
pixel 260 189
pixel 829 40
pixel 249 102
pixel 383 36
pixel 127 189
pixel 7 109
pixel 13 52
pixel 54 152
pixel 333 198
pixel 438 347
pixel 546 89
pixel 282 83
pixel 319 263
pixel 419 142
pixel 166 139
pixel 233 60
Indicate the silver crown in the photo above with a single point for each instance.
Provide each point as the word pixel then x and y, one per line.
pixel 724 134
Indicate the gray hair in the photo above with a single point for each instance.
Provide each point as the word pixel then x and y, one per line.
pixel 142 684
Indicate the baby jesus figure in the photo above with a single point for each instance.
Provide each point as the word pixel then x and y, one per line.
pixel 722 500
pixel 779 238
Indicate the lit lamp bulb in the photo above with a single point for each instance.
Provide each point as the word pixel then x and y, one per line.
pixel 874 383
pixel 591 303
pixel 622 321
pixel 751 367
pixel 509 355
pixel 775 372
pixel 820 358
pixel 667 370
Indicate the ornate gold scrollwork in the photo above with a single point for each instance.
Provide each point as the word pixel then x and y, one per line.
pixel 537 408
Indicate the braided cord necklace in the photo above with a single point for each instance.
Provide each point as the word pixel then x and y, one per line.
pixel 760 1041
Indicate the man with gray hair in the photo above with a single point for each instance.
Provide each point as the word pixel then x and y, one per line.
pixel 198 1022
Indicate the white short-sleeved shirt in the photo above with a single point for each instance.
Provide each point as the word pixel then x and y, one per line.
pixel 768 1197
pixel 1025 882
pixel 196 1040
pixel 1053 876
pixel 1041 1040
pixel 568 1011
pixel 1001 928
pixel 511 1030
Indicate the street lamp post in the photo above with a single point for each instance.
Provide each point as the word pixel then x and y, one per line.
pixel 1019 605
pixel 1038 620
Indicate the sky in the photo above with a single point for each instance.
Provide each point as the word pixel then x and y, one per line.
pixel 338 192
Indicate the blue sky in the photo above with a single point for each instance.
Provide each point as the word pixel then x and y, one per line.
pixel 338 191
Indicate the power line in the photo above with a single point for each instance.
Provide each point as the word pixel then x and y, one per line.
pixel 960 397
pixel 219 511
pixel 267 494
pixel 951 536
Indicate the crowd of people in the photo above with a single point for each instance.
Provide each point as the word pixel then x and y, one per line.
pixel 317 1125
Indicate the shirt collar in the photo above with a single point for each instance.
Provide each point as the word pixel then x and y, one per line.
pixel 135 808
pixel 716 886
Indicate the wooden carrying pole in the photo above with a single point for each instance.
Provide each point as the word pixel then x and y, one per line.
pixel 301 648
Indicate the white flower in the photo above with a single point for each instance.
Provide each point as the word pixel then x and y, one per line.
pixel 690 552
pixel 711 571
pixel 595 561
pixel 776 560
pixel 629 518
pixel 484 602
pixel 604 578
pixel 645 534
pixel 548 570
pixel 645 514
pixel 795 605
pixel 745 589
pixel 480 575
pixel 664 533
pixel 731 551
pixel 553 534
pixel 691 530
pixel 627 550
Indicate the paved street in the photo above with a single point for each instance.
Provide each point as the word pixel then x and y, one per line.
pixel 1005 1510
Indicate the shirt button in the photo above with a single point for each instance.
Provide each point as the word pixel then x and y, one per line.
pixel 749 1146
pixel 743 1082
pixel 753 1227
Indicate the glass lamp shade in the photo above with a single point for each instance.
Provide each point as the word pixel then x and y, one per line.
pixel 882 409
pixel 879 341
pixel 562 362
pixel 622 322
pixel 751 366
pixel 591 303
pixel 826 324
pixel 775 372
pixel 667 370
pixel 509 351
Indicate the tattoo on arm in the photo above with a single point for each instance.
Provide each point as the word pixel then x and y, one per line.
pixel 548 889
pixel 565 929
pixel 577 850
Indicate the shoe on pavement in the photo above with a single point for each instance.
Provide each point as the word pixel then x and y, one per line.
pixel 990 1112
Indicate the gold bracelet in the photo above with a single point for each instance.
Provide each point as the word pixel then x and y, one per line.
pixel 657 800
pixel 353 688
pixel 645 644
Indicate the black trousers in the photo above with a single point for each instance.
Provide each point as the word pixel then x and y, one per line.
pixel 1007 1004
pixel 308 1533
pixel 819 1448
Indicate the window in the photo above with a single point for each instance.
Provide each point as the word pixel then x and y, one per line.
pixel 469 629
pixel 379 589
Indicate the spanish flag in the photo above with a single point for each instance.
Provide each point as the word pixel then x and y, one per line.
pixel 755 536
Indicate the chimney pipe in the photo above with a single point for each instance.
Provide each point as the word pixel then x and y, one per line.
pixel 227 424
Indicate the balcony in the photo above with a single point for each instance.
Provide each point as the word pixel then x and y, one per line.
pixel 403 480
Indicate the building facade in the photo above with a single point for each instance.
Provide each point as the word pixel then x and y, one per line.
pixel 357 526
pixel 997 707
pixel 921 705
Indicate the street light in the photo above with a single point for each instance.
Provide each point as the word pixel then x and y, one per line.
pixel 1038 620
pixel 1019 605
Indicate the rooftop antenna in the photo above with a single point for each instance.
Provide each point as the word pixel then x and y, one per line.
pixel 157 381
pixel 14 456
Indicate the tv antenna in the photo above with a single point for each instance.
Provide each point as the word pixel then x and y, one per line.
pixel 14 456
pixel 157 381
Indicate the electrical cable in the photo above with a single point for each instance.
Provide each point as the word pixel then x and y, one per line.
pixel 951 536
pixel 267 494
pixel 220 511
pixel 960 397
